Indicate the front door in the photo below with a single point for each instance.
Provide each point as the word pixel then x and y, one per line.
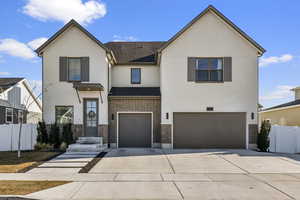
pixel 91 117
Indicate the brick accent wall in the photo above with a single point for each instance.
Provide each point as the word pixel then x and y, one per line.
pixel 253 131
pixel 134 104
pixel 77 130
pixel 166 133
pixel 103 132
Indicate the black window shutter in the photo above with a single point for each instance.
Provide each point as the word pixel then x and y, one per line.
pixel 63 69
pixel 85 69
pixel 191 69
pixel 227 69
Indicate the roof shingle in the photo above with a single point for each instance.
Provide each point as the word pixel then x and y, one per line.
pixel 134 91
pixel 6 83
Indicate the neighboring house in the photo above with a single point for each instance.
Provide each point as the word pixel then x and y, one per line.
pixel 18 102
pixel 287 114
pixel 197 90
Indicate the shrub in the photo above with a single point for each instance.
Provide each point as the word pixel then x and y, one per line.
pixel 54 137
pixel 63 146
pixel 263 141
pixel 43 147
pixel 42 135
pixel 67 134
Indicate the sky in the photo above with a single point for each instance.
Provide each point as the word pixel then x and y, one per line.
pixel 275 24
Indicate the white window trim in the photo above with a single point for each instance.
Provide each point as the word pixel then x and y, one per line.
pixel 12 115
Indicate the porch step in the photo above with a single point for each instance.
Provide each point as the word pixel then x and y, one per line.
pixel 85 148
pixel 89 140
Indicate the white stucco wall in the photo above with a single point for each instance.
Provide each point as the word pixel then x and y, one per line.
pixel 73 43
pixel 209 37
pixel 121 76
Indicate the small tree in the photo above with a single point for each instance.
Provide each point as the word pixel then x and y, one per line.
pixel 54 136
pixel 67 134
pixel 263 141
pixel 42 136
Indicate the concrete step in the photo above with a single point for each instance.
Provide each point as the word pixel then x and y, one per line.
pixel 89 140
pixel 85 148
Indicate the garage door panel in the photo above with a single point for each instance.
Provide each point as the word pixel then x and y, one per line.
pixel 209 130
pixel 135 130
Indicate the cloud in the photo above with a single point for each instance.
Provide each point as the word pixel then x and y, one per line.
pixel 281 92
pixel 65 10
pixel 15 48
pixel 275 59
pixel 4 73
pixel 34 44
pixel 118 38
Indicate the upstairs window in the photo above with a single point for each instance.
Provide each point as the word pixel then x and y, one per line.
pixel 74 66
pixel 135 75
pixel 9 115
pixel 209 69
pixel 64 114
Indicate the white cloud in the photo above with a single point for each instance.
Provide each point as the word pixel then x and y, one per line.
pixel 34 44
pixel 4 73
pixel 281 92
pixel 275 59
pixel 15 48
pixel 65 10
pixel 118 38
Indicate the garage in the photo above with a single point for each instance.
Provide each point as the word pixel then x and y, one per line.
pixel 209 130
pixel 135 130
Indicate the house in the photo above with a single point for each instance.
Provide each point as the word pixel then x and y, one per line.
pixel 18 102
pixel 199 89
pixel 287 114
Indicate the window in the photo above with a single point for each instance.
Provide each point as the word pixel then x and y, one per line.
pixel 209 69
pixel 135 76
pixel 64 114
pixel 74 69
pixel 9 115
pixel 20 116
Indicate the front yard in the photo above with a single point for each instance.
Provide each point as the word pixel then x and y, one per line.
pixel 10 163
pixel 26 187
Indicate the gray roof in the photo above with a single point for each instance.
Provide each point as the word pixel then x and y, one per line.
pixel 6 83
pixel 135 52
pixel 292 103
pixel 134 91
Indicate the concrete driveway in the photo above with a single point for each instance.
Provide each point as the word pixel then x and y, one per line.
pixel 185 174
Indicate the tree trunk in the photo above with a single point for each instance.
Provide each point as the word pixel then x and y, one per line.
pixel 19 142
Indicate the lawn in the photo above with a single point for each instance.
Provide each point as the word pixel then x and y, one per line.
pixel 26 187
pixel 10 163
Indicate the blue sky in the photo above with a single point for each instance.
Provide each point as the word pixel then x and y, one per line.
pixel 273 23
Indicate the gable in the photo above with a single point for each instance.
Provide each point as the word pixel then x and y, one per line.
pixel 230 25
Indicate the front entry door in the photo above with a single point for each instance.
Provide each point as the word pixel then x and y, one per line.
pixel 91 117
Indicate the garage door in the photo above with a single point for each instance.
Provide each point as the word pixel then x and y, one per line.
pixel 209 130
pixel 135 130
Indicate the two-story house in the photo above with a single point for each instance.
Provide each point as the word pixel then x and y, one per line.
pixel 199 89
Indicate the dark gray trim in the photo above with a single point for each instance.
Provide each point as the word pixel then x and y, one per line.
pixel 219 14
pixel 191 69
pixel 140 74
pixel 63 29
pixel 227 69
pixel 63 69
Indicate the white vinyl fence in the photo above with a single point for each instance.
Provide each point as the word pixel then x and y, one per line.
pixel 9 136
pixel 285 139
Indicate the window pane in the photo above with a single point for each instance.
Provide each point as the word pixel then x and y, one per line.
pixel 202 63
pixel 74 69
pixel 64 114
pixel 216 75
pixel 136 75
pixel 216 64
pixel 202 75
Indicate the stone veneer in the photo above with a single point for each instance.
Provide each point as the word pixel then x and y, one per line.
pixel 134 104
pixel 252 132
pixel 103 132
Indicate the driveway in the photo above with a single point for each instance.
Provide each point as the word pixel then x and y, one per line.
pixel 185 174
